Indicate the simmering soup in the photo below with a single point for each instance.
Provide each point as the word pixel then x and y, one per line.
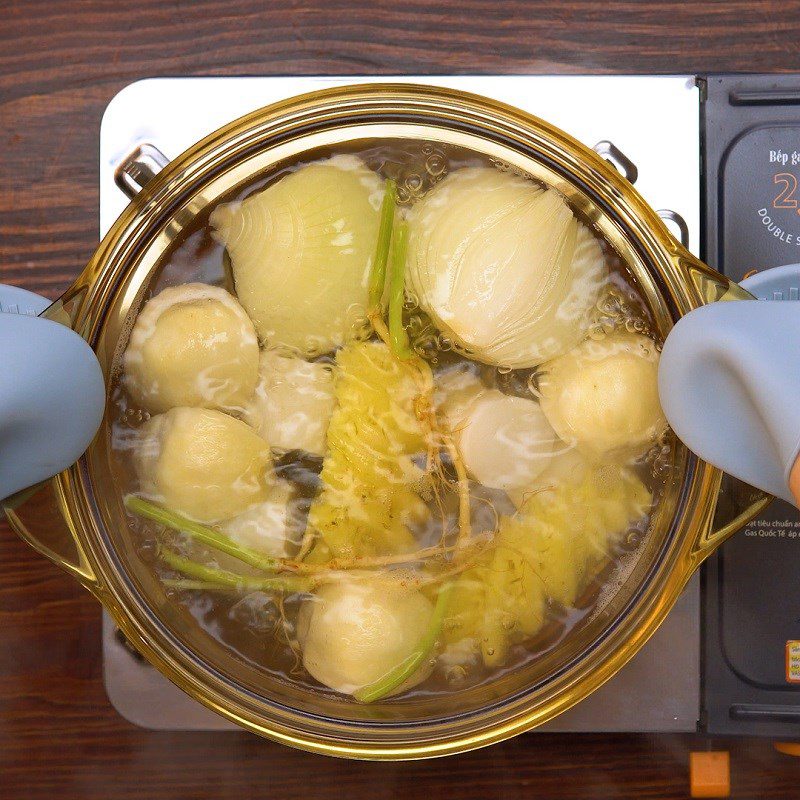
pixel 387 422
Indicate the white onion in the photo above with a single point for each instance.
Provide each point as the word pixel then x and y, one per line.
pixel 505 442
pixel 567 467
pixel 293 402
pixel 503 267
pixel 301 252
pixel 269 527
pixel 454 390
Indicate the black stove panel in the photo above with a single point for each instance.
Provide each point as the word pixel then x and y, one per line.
pixel 751 588
pixel 761 198
pixel 757 610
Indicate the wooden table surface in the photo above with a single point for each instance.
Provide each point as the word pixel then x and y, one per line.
pixel 60 64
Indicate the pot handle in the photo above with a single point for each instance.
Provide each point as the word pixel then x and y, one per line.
pixel 730 385
pixel 736 504
pixel 37 515
pixel 52 397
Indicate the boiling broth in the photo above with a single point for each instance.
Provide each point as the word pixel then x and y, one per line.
pixel 260 627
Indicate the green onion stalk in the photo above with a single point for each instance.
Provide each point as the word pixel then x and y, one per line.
pixel 377 279
pixel 402 672
pixel 397 294
pixel 219 541
pixel 203 533
pixel 205 576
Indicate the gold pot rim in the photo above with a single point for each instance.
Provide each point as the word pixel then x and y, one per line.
pixel 99 302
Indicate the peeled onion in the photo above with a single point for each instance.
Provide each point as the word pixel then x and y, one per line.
pixel 503 267
pixel 354 631
pixel 293 402
pixel 269 527
pixel 505 442
pixel 192 345
pixel 202 463
pixel 454 390
pixel 603 395
pixel 301 252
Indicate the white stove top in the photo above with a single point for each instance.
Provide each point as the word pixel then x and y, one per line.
pixel 654 121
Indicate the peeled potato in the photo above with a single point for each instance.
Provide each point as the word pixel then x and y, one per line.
pixel 192 345
pixel 301 252
pixel 272 527
pixel 603 395
pixel 293 402
pixel 505 442
pixel 354 631
pixel 203 463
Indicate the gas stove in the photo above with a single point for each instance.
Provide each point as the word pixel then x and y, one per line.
pixel 751 608
pixel 713 662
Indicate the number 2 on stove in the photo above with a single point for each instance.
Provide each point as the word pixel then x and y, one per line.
pixel 785 197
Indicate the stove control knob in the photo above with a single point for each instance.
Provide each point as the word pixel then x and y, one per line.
pixel 710 774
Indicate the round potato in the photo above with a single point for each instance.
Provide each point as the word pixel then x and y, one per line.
pixel 354 631
pixel 192 345
pixel 203 463
pixel 603 395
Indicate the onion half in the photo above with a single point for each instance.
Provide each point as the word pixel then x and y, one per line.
pixel 301 252
pixel 503 267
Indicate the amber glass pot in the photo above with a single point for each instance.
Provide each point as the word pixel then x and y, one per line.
pixel 77 519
